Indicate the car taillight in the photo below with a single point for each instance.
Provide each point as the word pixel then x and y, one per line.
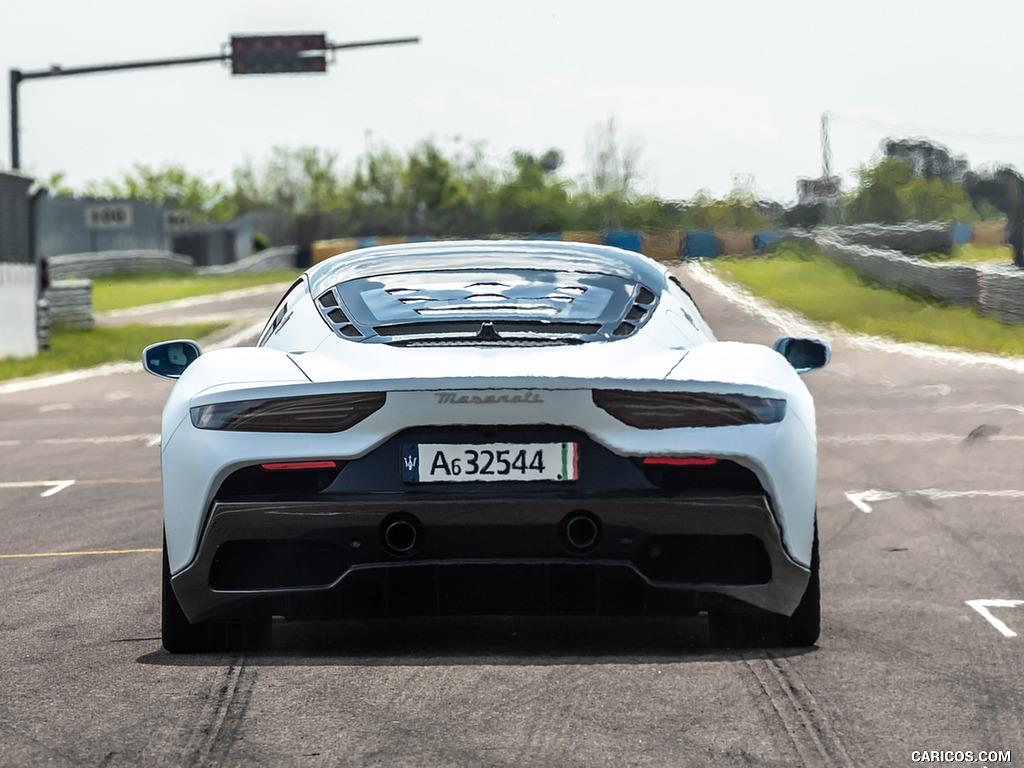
pixel 666 410
pixel 311 413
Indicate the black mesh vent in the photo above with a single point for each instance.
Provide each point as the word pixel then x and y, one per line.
pixel 340 323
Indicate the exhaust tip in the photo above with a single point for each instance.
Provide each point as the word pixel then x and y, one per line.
pixel 580 531
pixel 401 535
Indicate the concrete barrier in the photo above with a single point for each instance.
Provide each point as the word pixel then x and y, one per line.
pixel 18 289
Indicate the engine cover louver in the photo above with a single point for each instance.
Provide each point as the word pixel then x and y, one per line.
pixel 532 308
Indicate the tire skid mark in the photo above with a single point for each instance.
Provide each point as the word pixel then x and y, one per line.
pixel 221 717
pixel 802 717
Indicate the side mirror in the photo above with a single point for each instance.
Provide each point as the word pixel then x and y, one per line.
pixel 169 359
pixel 803 354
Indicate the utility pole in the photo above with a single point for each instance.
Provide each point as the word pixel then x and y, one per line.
pixel 1015 214
pixel 248 54
pixel 826 148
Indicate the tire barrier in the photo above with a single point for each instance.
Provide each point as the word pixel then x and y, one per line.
pixel 70 304
pixel 268 260
pixel 1001 294
pixel 935 237
pixel 954 284
pixel 995 291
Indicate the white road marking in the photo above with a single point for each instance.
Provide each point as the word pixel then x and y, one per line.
pixel 898 410
pixel 982 607
pixel 864 500
pixel 924 437
pixel 55 407
pixel 108 369
pixel 52 486
pixel 149 439
pixel 56 486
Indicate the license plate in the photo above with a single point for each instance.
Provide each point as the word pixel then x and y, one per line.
pixel 489 462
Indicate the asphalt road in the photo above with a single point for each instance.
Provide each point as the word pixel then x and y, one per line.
pixel 921 486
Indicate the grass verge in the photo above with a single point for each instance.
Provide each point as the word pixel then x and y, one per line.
pixel 123 291
pixel 72 350
pixel 818 288
pixel 975 254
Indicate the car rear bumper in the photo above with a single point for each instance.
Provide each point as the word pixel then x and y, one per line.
pixel 379 555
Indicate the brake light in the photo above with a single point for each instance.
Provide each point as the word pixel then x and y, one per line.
pixel 667 410
pixel 675 461
pixel 310 413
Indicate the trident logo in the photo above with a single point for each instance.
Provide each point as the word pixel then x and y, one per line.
pixel 410 462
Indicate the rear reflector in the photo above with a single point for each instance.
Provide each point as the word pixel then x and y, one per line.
pixel 674 461
pixel 301 465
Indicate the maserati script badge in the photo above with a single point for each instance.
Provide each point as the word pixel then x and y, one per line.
pixel 460 398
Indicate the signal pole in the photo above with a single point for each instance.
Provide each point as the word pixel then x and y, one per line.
pixel 249 55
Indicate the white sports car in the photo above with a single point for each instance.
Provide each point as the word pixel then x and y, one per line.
pixel 488 428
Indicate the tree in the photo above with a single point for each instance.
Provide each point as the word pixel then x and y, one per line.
pixel 928 159
pixel 876 197
pixel 376 195
pixel 298 181
pixel 891 191
pixel 987 189
pixel 533 198
pixel 438 197
pixel 614 170
pixel 171 186
pixel 740 209
pixel 55 185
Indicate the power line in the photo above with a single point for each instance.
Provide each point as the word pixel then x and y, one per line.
pixel 880 124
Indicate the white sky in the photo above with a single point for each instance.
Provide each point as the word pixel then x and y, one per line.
pixel 710 90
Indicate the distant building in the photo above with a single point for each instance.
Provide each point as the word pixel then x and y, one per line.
pixel 824 189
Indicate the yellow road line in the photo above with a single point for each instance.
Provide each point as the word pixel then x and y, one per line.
pixel 96 552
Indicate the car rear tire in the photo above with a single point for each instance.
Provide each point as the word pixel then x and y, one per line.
pixel 180 635
pixel 748 629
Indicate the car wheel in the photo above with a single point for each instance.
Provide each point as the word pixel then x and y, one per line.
pixel 747 629
pixel 803 627
pixel 179 635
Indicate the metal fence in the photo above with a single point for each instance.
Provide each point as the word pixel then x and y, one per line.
pixel 72 225
pixel 15 231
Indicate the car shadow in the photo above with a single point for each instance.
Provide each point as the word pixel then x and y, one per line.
pixel 502 641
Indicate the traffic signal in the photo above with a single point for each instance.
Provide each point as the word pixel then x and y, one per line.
pixel 275 54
